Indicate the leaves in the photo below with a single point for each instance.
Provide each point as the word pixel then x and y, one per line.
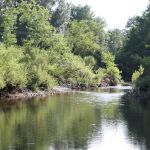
pixel 45 46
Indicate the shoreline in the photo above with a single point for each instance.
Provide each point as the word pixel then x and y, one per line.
pixel 27 94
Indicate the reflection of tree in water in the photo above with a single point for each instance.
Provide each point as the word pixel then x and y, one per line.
pixel 57 122
pixel 137 117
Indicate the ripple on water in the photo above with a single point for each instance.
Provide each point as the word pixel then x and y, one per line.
pixel 94 97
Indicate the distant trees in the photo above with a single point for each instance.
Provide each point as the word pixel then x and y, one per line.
pixel 116 40
pixel 81 13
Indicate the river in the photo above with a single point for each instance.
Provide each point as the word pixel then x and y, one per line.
pixel 84 120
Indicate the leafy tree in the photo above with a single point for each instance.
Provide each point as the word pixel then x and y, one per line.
pixel 27 23
pixel 49 4
pixel 136 52
pixel 14 3
pixel 136 47
pixel 82 38
pixel 44 47
pixel 8 30
pixel 116 39
pixel 61 16
pixel 81 13
pixel 112 72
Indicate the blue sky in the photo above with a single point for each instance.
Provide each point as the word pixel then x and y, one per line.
pixel 115 12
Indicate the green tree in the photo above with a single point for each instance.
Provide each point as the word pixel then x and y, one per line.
pixel 136 46
pixel 28 23
pixel 136 52
pixel 82 39
pixel 61 16
pixel 81 13
pixel 116 39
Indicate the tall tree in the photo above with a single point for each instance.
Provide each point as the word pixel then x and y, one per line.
pixel 81 13
pixel 136 51
pixel 27 22
pixel 116 39
pixel 61 16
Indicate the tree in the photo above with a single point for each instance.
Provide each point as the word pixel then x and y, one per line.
pixel 116 39
pixel 82 39
pixel 14 3
pixel 81 13
pixel 61 16
pixel 44 46
pixel 136 45
pixel 27 23
pixel 136 52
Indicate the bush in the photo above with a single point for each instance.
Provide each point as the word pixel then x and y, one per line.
pixel 37 65
pixel 12 71
pixel 111 71
pixel 101 74
pixel 71 69
pixel 40 79
pixel 90 61
pixel 114 74
pixel 137 74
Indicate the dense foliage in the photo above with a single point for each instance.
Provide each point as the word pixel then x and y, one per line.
pixel 136 52
pixel 45 43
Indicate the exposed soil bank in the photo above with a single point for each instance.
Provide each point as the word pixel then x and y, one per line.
pixel 17 94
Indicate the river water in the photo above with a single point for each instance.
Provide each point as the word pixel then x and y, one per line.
pixel 85 120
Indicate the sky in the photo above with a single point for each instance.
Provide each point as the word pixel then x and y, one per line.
pixel 115 12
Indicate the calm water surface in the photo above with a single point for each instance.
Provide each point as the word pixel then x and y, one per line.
pixel 86 120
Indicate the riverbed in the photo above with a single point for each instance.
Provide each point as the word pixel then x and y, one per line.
pixel 83 120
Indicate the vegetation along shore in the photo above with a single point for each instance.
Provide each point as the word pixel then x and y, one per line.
pixel 44 44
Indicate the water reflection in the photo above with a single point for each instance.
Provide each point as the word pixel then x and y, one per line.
pixel 137 118
pixel 85 120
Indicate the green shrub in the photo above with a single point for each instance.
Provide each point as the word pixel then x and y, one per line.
pixel 137 74
pixel 90 61
pixel 70 69
pixel 111 71
pixel 101 74
pixel 12 71
pixel 40 79
pixel 37 65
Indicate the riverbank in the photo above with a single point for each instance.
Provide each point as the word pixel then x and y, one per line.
pixel 25 93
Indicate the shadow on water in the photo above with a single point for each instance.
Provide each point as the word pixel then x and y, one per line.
pixel 86 120
pixel 137 117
